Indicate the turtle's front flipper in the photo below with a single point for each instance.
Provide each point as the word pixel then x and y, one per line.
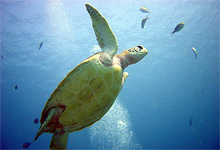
pixel 103 32
pixel 59 139
pixel 41 130
pixel 125 75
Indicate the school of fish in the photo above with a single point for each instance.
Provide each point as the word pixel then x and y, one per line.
pixel 178 27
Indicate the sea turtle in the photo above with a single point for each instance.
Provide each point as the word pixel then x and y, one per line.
pixel 89 90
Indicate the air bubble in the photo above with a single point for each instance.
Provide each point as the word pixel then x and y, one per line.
pixel 114 130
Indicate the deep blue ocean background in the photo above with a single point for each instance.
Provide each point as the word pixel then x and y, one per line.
pixel 162 92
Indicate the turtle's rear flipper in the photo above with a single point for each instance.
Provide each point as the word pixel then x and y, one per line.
pixel 59 139
pixel 42 127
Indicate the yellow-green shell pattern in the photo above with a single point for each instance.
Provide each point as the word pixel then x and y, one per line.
pixel 86 93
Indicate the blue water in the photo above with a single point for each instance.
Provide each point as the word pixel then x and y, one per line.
pixel 162 92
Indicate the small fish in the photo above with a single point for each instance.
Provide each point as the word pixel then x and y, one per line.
pixel 36 120
pixel 194 50
pixel 181 135
pixel 190 121
pixel 202 72
pixel 143 22
pixel 144 9
pixel 16 87
pixel 41 44
pixel 196 93
pixel 217 72
pixel 2 56
pixel 26 145
pixel 178 28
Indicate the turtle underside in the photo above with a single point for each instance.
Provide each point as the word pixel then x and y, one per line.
pixel 84 96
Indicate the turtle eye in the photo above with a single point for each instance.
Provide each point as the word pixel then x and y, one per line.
pixel 140 47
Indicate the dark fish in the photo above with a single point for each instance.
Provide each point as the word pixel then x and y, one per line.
pixel 2 56
pixel 36 120
pixel 196 93
pixel 190 121
pixel 217 72
pixel 178 28
pixel 143 22
pixel 26 145
pixel 16 87
pixel 41 44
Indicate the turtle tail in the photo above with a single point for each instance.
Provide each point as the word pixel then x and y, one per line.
pixel 59 139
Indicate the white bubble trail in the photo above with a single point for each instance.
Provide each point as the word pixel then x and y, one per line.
pixel 114 130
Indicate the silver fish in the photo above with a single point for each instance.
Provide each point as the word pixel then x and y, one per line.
pixel 144 9
pixel 194 50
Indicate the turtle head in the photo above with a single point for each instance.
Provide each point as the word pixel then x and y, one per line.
pixel 132 55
